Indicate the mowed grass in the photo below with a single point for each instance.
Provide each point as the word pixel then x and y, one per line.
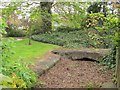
pixel 30 53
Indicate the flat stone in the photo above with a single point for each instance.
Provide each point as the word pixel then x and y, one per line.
pixel 44 65
pixel 95 54
pixel 109 85
pixel 48 63
pixel 38 71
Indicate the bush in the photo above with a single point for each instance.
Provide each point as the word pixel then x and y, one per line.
pixel 98 39
pixel 66 29
pixel 25 77
pixel 20 71
pixel 11 82
pixel 110 59
pixel 16 33
pixel 13 31
pixel 13 73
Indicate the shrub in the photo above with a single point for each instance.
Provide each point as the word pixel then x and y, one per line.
pixel 19 73
pixel 11 82
pixel 66 29
pixel 16 33
pixel 110 59
pixel 13 31
pixel 98 39
pixel 90 86
pixel 20 70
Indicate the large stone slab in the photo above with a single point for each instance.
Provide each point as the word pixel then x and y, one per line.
pixel 43 65
pixel 90 53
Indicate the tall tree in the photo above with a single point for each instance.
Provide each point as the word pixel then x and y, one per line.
pixel 46 16
pixel 94 7
pixel 104 8
pixel 70 14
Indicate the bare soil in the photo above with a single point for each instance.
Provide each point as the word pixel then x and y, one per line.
pixel 75 74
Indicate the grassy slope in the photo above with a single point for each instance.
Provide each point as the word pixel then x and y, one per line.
pixel 31 52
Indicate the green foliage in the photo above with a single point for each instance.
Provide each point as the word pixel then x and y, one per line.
pixel 110 60
pixel 35 24
pixel 9 9
pixel 70 14
pixel 66 29
pixel 10 66
pixel 13 82
pixel 5 79
pixel 23 76
pixel 35 21
pixel 6 45
pixel 113 23
pixel 15 32
pixel 90 86
pixel 108 30
pixel 3 25
pixel 71 38
pixel 20 69
pixel 106 27
pixel 114 79
pixel 46 15
pixel 94 38
pixel 95 19
pixel 95 7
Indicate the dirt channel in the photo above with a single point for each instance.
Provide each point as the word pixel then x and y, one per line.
pixel 75 74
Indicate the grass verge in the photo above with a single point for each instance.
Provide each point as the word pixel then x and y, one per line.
pixel 31 52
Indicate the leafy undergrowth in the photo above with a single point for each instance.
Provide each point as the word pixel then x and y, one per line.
pixel 16 68
pixel 29 53
pixel 72 39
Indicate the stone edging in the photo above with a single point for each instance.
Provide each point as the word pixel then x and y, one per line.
pixel 44 65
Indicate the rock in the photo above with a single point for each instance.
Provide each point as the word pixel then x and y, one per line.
pixel 44 65
pixel 93 54
pixel 109 85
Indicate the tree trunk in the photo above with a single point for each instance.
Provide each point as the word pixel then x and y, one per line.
pixel 118 52
pixel 46 16
pixel 118 65
pixel 104 8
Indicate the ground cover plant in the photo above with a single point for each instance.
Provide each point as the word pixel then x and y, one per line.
pixel 66 39
pixel 74 38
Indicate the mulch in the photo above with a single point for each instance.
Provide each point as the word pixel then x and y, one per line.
pixel 75 74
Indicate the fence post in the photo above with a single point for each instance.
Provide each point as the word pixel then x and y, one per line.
pixel 118 66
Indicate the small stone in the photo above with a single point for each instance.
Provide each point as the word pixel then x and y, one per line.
pixel 109 85
pixel 67 68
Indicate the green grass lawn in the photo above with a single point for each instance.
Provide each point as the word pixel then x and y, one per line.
pixel 33 52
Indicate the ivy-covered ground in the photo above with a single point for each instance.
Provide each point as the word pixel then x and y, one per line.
pixel 73 38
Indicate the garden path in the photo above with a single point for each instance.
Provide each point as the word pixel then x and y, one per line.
pixel 60 71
